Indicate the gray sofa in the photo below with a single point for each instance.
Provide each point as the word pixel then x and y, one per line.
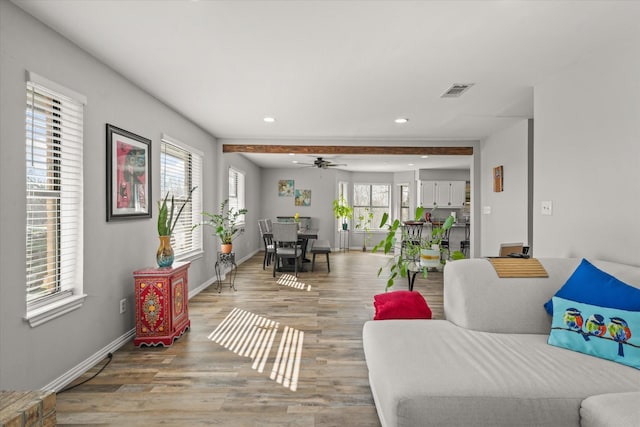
pixel 489 363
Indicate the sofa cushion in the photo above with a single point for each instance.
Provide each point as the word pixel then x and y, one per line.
pixel 433 373
pixel 608 333
pixel 401 305
pixel 589 284
pixel 610 410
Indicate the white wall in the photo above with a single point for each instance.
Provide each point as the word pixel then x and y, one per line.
pixel 31 358
pixel 587 158
pixel 508 220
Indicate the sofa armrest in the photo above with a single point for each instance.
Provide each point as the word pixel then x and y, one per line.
pixel 610 410
pixel 476 298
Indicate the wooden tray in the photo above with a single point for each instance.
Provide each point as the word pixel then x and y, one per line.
pixel 518 267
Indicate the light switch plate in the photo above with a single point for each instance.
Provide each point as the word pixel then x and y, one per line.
pixel 546 207
pixel 486 210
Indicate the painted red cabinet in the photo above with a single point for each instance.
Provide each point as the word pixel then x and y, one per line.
pixel 162 312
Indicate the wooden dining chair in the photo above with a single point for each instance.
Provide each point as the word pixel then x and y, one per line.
pixel 286 244
pixel 267 238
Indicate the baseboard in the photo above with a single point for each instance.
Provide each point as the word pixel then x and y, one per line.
pixel 75 372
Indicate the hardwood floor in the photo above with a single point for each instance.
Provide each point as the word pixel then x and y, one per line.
pixel 201 381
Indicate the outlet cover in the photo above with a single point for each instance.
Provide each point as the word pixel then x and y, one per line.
pixel 123 305
pixel 546 207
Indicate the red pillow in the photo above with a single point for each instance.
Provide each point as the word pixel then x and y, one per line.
pixel 401 305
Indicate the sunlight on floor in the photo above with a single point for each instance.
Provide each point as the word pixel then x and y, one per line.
pixel 252 336
pixel 292 281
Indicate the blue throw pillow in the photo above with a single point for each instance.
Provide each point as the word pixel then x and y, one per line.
pixel 608 333
pixel 590 285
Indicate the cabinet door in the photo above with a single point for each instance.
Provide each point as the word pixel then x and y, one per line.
pixel 458 193
pixel 429 194
pixel 443 196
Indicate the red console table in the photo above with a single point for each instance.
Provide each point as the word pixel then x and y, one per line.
pixel 162 296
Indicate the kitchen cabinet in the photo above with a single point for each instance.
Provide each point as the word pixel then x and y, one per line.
pixel 443 194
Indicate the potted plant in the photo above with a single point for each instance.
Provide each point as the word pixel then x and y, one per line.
pixel 400 263
pixel 364 222
pixel 225 224
pixel 166 224
pixel 430 246
pixel 342 210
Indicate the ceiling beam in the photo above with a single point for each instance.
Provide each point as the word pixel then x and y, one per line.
pixel 346 149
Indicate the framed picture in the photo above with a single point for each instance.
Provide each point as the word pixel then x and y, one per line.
pixel 303 198
pixel 498 179
pixel 285 188
pixel 128 175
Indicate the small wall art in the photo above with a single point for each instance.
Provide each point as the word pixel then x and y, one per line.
pixel 303 197
pixel 128 175
pixel 498 179
pixel 285 188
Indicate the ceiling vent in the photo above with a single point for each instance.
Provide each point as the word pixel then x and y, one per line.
pixel 456 90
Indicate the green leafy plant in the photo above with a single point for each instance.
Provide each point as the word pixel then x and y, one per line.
pixel 166 221
pixel 225 222
pixel 364 222
pixel 399 264
pixel 342 210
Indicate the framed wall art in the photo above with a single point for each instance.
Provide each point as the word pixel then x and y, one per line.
pixel 303 198
pixel 128 175
pixel 498 179
pixel 285 188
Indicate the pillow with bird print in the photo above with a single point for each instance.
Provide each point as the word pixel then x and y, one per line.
pixel 590 285
pixel 401 305
pixel 607 333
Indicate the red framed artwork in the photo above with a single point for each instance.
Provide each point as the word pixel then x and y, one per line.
pixel 128 175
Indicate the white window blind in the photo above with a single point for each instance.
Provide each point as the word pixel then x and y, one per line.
pixel 236 192
pixel 180 171
pixel 54 193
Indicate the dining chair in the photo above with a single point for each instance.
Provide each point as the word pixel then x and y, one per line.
pixel 286 244
pixel 411 233
pixel 267 238
pixel 269 225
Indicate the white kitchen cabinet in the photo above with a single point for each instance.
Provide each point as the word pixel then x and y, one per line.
pixel 443 194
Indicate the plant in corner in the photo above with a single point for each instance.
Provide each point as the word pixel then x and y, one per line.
pixel 400 262
pixel 342 210
pixel 364 222
pixel 225 224
pixel 166 224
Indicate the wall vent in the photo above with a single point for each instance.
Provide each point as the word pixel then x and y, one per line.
pixel 456 90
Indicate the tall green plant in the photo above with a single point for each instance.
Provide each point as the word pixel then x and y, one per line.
pixel 166 221
pixel 224 222
pixel 341 209
pixel 399 264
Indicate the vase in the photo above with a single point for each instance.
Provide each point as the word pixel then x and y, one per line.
pixel 430 258
pixel 164 255
pixel 225 248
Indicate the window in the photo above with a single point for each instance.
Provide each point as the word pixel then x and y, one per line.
pixel 180 171
pixel 54 199
pixel 236 192
pixel 404 203
pixel 372 197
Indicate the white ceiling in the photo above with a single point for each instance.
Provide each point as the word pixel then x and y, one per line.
pixel 342 70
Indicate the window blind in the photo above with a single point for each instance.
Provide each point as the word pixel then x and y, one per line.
pixel 236 192
pixel 181 170
pixel 54 191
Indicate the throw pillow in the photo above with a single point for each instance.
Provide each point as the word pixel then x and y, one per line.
pixel 401 305
pixel 590 285
pixel 607 333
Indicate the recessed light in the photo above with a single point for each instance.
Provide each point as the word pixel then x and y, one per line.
pixel 424 157
pixel 294 161
pixel 292 154
pixel 401 120
pixel 410 164
pixel 269 119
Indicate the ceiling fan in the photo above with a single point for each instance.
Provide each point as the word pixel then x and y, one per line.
pixel 321 163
